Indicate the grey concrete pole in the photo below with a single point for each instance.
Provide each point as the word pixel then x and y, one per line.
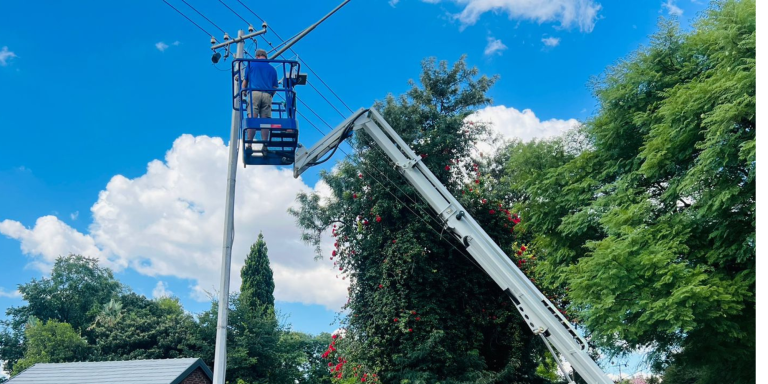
pixel 220 355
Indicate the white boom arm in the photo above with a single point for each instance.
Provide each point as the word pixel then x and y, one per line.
pixel 539 313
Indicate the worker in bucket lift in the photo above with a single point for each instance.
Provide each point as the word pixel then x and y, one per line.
pixel 262 76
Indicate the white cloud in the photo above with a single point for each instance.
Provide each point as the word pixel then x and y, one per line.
pixel 14 295
pixel 672 8
pixel 74 215
pixel 169 222
pixel 161 46
pixel 393 3
pixel 511 123
pixel 176 43
pixel 551 41
pixel 494 46
pixel 6 56
pixel 582 13
pixel 161 290
pixel 51 238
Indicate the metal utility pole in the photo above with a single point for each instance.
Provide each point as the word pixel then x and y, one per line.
pixel 220 354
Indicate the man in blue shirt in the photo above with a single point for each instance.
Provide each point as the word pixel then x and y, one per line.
pixel 262 77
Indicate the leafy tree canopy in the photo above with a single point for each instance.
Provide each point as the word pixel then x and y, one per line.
pixel 651 224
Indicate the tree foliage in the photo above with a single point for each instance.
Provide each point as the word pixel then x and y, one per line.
pixel 144 329
pixel 651 226
pixel 421 311
pixel 258 287
pixel 73 294
pixel 51 342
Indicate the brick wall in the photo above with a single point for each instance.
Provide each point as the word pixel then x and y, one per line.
pixel 196 377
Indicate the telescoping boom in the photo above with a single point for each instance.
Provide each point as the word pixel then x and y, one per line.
pixel 539 313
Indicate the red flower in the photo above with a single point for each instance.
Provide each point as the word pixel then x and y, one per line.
pixel 447 167
pixel 395 319
pixel 423 155
pixel 334 336
pixel 410 329
pixel 523 248
pixel 418 319
pixel 360 175
pixel 394 241
pixel 516 220
pixel 340 268
pixel 413 312
pixel 354 195
pixel 492 212
pixel 485 201
pixel 333 253
pixel 477 181
pixel 381 286
pixel 378 219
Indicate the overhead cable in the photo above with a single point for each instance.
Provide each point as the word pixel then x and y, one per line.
pixel 190 20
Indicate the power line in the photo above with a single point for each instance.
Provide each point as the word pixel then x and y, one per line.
pixel 233 11
pixel 190 20
pixel 254 13
pixel 199 13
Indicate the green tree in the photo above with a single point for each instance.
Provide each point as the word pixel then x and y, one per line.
pixel 140 328
pixel 651 227
pixel 420 309
pixel 253 337
pixel 51 342
pixel 258 287
pixel 73 294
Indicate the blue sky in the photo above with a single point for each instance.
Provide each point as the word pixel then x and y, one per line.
pixel 111 116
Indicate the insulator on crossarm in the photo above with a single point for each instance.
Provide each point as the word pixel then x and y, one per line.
pixel 226 36
pixel 213 40
pixel 250 29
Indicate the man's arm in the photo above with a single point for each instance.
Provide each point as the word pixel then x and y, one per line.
pixel 274 82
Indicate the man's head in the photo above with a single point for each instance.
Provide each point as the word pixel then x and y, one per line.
pixel 261 54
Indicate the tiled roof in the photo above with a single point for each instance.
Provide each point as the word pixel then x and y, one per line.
pixel 168 371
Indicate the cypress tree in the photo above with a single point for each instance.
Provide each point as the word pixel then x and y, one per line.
pixel 257 291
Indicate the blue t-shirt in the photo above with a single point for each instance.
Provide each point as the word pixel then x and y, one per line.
pixel 261 75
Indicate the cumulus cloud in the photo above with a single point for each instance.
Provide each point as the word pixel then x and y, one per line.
pixel 11 294
pixel 582 13
pixel 672 8
pixel 551 41
pixel 161 46
pixel 494 46
pixel 6 56
pixel 74 215
pixel 169 222
pixel 161 290
pixel 511 123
